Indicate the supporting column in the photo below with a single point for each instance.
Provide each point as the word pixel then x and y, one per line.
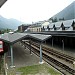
pixel 4 59
pixel 45 42
pixel 30 46
pixel 63 45
pixel 11 55
pixel 52 42
pixel 41 62
pixel 24 45
pixel 5 64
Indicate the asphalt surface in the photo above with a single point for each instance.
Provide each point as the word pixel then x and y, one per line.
pixel 22 56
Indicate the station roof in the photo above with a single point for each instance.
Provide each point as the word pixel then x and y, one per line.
pixel 67 24
pixel 13 38
pixel 57 33
pixel 2 2
pixel 40 37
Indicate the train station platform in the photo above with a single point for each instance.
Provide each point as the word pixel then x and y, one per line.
pixel 12 38
pixel 22 57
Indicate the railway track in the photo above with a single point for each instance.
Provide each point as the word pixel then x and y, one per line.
pixel 63 56
pixel 66 70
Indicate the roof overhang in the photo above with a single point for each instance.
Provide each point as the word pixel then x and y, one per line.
pixel 2 2
pixel 57 33
pixel 39 37
pixel 13 38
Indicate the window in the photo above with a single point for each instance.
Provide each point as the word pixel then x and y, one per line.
pixel 39 29
pixel 0 45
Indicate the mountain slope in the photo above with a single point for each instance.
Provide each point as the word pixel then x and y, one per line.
pixel 67 13
pixel 9 23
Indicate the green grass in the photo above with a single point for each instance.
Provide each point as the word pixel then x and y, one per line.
pixel 35 69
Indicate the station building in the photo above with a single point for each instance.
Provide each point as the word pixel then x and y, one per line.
pixel 23 27
pixel 67 25
pixel 62 28
pixel 35 27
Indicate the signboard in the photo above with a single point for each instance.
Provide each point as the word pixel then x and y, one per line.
pixel 1 46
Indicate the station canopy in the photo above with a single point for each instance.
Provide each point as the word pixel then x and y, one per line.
pixel 2 2
pixel 40 37
pixel 15 37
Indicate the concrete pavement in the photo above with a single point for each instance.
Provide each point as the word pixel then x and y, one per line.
pixel 22 56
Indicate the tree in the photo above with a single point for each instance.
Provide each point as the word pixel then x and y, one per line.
pixel 55 19
pixel 61 19
pixel 51 19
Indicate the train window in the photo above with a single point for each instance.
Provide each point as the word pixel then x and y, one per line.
pixel 0 45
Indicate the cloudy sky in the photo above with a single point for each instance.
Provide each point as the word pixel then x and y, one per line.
pixel 30 11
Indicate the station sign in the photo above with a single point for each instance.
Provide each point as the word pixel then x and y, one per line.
pixel 1 46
